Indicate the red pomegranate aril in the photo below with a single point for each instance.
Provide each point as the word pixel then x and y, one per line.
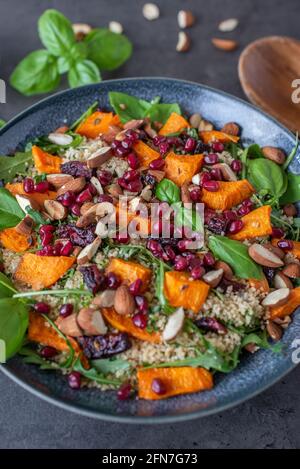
pixel 190 145
pixel 122 237
pixel 75 210
pixel 66 310
pixel 235 226
pixel 42 187
pixel 159 163
pixel 66 249
pixel 132 135
pixel 46 239
pixel 28 185
pixel 195 194
pixel 183 245
pixel 112 281
pixel 46 251
pixel 197 272
pixel 121 151
pixel 158 139
pixel 154 246
pixel 180 263
pixel 236 166
pixel 41 307
pixel 127 142
pixel 218 147
pixel 57 248
pixel 244 210
pixel 204 177
pixel 135 287
pixel 208 214
pixel 104 177
pixel 230 215
pixel 163 148
pixel 135 186
pixel 105 198
pixel 277 232
pixel 141 303
pixel 170 253
pixel 133 161
pixel 208 259
pixel 130 175
pixel 124 392
pixel 84 196
pixel 92 189
pixel 285 244
pixel 211 158
pixel 67 199
pixel 140 320
pixel 211 186
pixel 46 229
pixel 48 352
pixel 216 174
pixel 74 380
pixel 158 387
pixel 247 203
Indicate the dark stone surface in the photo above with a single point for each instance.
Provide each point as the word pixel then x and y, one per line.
pixel 270 420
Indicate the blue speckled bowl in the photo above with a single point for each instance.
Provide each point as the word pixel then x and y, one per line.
pixel 256 372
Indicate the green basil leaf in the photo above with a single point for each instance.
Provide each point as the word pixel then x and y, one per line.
pixel 110 365
pixel 83 73
pixel 36 73
pixel 11 166
pixel 7 288
pixel 64 64
pixel 13 324
pixel 94 375
pixel 167 191
pixel 267 175
pixel 161 112
pixel 107 49
pixel 83 116
pixel 10 211
pixel 292 193
pixel 56 32
pixel 236 255
pixel 2 123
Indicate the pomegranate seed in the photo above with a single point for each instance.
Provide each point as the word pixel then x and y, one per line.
pixel 104 177
pixel 195 194
pixel 46 251
pixel 208 259
pixel 277 232
pixel 154 247
pixel 194 261
pixel 158 387
pixel 235 226
pixel 211 186
pixel 140 320
pixel 48 352
pixel 158 139
pixel 216 174
pixel 130 175
pixel 135 287
pixel 28 185
pixel 285 244
pixel 57 248
pixel 141 303
pixel 41 187
pixel 183 244
pixel 41 307
pixel 180 263
pixel 75 210
pixel 122 151
pixel 208 214
pixel 132 135
pixel 46 239
pixel 135 186
pixel 105 198
pixel 122 238
pixel 127 142
pixel 133 161
pixel 67 199
pixel 124 392
pixel 218 147
pixel 112 281
pixel 247 203
pixel 211 158
pixel 66 249
pixel 159 163
pixel 74 380
pixel 236 166
pixel 244 210
pixel 66 310
pixel 170 253
pixel 230 215
pixel 163 148
pixel 84 196
pixel 204 177
pixel 190 145
pixel 92 189
pixel 46 229
pixel 197 272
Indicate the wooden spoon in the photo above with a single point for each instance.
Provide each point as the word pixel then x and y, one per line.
pixel 267 68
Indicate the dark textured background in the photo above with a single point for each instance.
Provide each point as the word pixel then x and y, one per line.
pixel 270 420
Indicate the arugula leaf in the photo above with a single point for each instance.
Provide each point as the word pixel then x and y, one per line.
pixel 292 154
pixel 83 73
pixel 7 288
pixel 167 191
pixel 13 324
pixel 266 175
pixel 110 365
pixel 94 375
pixel 236 255
pixel 83 116
pixel 292 193
pixel 44 143
pixel 261 340
pixel 129 107
pixel 10 211
pixel 36 73
pixel 106 49
pixel 56 32
pixel 33 358
pixel 11 166
pixel 2 123
pixel 159 289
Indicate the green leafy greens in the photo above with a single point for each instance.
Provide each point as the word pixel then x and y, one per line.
pixel 11 166
pixel 10 211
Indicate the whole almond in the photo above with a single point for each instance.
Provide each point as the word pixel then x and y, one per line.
pixel 263 256
pixel 292 270
pixel 99 157
pixel 75 185
pixel 105 299
pixel 228 25
pixel 231 128
pixel 114 190
pixel 213 277
pixel 134 124
pixel 88 251
pixel 282 281
pixel 183 43
pixel 69 325
pixel 228 273
pixel 86 207
pixel 290 210
pixel 174 325
pixel 275 249
pixel 88 218
pixel 274 330
pixel 58 180
pixel 110 135
pixel 227 45
pixel 124 303
pixel 195 120
pixel 274 154
pixel 25 226
pixel 55 209
pixel 277 297
pixel 91 322
pixel 185 19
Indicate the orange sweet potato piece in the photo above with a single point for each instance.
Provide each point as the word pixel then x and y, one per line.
pixel 261 284
pixel 44 162
pixel 229 194
pixel 181 168
pixel 289 307
pixel 125 324
pixel 129 271
pixel 296 247
pixel 16 188
pixel 177 380
pixel 17 242
pixel 180 290
pixel 174 124
pixel 145 153
pixel 96 124
pixel 256 223
pixel 210 135
pixel 41 332
pixel 42 271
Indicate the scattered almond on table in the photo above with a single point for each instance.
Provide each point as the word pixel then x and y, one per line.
pixel 224 44
pixel 228 25
pixel 115 27
pixel 183 43
pixel 151 11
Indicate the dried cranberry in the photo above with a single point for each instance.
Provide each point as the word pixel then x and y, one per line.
pixel 201 147
pixel 28 185
pixel 66 310
pixel 112 281
pixel 104 176
pixel 104 346
pixel 124 392
pixel 158 387
pixel 211 158
pixel 235 286
pixel 140 320
pixel 76 169
pixel 149 180
pixel 211 186
pixel 217 224
pixel 269 273
pixel 211 324
pixel 93 278
pixel 78 236
pixel 74 380
pixel 48 352
pixel 285 244
pixel 41 307
pixel 277 232
pixel 218 147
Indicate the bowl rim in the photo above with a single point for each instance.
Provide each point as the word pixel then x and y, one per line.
pixel 136 419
